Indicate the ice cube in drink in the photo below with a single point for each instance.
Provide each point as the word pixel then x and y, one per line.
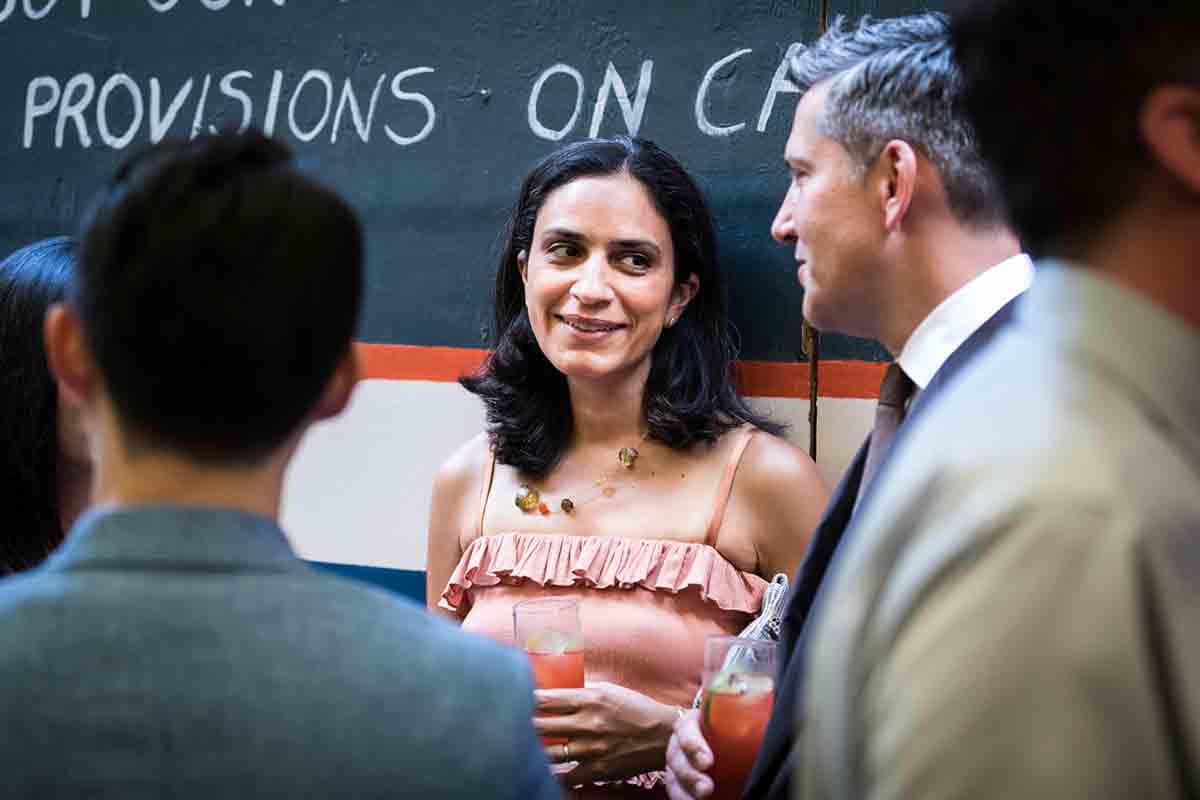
pixel 556 659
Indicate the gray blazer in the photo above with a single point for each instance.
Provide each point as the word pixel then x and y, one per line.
pixel 1017 614
pixel 171 652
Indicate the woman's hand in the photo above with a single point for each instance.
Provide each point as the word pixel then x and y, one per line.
pixel 613 732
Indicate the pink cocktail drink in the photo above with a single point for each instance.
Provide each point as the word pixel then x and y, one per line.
pixel 549 631
pixel 557 670
pixel 563 670
pixel 733 719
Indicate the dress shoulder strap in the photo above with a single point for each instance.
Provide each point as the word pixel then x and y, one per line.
pixel 489 473
pixel 721 500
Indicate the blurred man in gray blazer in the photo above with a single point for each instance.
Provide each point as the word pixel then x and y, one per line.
pixel 175 646
pixel 1018 613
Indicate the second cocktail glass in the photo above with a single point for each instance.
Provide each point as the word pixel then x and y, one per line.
pixel 739 691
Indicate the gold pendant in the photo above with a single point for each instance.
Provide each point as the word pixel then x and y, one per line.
pixel 627 456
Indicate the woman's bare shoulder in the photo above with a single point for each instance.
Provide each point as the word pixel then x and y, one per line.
pixel 459 478
pixel 772 463
pixel 467 460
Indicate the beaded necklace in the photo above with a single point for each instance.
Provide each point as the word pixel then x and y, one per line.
pixel 529 500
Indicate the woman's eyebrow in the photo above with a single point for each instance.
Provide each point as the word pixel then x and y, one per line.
pixel 637 244
pixel 563 233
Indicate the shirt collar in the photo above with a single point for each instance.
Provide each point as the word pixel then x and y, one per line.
pixel 961 314
pixel 1153 352
pixel 175 537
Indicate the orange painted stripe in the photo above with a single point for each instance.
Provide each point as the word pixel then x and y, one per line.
pixel 406 362
pixel 839 379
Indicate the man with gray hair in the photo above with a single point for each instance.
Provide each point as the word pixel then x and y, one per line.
pixel 898 236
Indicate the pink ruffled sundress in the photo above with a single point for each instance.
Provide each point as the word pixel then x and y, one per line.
pixel 646 604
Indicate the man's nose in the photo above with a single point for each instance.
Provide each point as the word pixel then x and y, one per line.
pixel 783 227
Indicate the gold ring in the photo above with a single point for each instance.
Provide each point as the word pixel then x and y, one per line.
pixel 566 751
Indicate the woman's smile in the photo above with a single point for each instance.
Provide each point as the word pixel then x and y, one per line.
pixel 590 328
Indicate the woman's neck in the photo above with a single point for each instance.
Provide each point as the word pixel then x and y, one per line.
pixel 607 412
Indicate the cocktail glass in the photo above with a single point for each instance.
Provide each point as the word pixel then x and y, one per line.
pixel 550 632
pixel 739 691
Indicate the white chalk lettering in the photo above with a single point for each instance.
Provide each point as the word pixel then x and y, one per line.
pixel 35 108
pixel 46 9
pixel 632 112
pixel 349 99
pixel 33 11
pixel 323 78
pixel 230 91
pixel 416 97
pixel 273 103
pixel 198 117
pixel 702 121
pixel 106 135
pixel 161 123
pixel 163 6
pixel 779 83
pixel 72 108
pixel 535 123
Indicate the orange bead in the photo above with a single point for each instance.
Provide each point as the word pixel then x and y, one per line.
pixel 543 508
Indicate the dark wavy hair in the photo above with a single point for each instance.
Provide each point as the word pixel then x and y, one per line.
pixel 690 394
pixel 31 280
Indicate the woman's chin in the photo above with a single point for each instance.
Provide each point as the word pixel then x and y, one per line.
pixel 592 368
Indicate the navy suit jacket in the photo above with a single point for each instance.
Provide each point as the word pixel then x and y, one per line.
pixel 772 774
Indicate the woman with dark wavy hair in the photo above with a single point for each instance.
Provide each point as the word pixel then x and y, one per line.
pixel 620 465
pixel 44 463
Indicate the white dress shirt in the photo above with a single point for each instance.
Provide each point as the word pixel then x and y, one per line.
pixel 960 315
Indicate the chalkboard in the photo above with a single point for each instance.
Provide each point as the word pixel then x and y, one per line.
pixel 426 115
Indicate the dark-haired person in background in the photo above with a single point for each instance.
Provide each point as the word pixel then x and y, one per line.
pixel 45 468
pixel 174 645
pixel 899 236
pixel 1018 615
pixel 612 335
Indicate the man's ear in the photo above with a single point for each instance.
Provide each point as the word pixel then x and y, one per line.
pixel 68 356
pixel 681 295
pixel 340 386
pixel 1169 122
pixel 895 176
pixel 523 265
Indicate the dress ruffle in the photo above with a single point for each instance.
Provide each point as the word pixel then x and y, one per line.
pixel 602 562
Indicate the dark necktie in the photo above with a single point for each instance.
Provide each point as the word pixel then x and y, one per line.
pixel 894 396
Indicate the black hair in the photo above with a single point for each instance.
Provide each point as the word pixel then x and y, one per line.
pixel 31 280
pixel 219 287
pixel 690 393
pixel 895 78
pixel 1054 89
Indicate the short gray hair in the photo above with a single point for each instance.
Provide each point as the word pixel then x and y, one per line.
pixel 897 79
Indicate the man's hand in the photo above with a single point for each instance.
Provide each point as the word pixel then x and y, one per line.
pixel 688 760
